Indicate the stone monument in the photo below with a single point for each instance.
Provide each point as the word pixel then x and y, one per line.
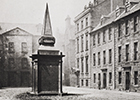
pixel 47 63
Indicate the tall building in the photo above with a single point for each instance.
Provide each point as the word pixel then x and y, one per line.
pixel 85 22
pixel 102 53
pixel 69 51
pixel 16 45
pixel 116 60
pixel 127 40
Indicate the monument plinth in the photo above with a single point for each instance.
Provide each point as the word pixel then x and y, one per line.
pixel 47 63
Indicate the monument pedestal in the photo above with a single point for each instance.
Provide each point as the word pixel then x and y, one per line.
pixel 47 72
pixel 47 63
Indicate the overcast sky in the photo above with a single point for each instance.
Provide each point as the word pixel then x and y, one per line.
pixel 32 11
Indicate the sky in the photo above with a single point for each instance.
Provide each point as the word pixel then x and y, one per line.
pixel 33 11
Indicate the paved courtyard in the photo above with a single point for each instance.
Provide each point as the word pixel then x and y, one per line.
pixel 73 94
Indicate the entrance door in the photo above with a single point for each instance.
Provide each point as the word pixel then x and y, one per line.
pixel 104 80
pixel 127 81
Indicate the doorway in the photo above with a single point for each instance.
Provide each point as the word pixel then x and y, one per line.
pixel 127 81
pixel 104 80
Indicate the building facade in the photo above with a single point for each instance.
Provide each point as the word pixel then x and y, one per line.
pixel 117 58
pixel 102 54
pixel 16 46
pixel 85 22
pixel 127 59
pixel 69 51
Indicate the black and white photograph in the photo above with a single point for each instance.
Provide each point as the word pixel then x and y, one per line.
pixel 69 49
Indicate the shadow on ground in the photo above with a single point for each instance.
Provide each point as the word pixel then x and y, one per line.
pixel 65 96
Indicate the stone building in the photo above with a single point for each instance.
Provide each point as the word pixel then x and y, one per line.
pixel 127 39
pixel 102 53
pixel 122 26
pixel 85 22
pixel 69 51
pixel 16 46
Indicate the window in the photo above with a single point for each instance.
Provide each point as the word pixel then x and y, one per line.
pixel 11 47
pixel 24 63
pixel 110 56
pixel 81 24
pixel 135 77
pixel 98 58
pixel 82 65
pixel 119 54
pixel 98 38
pixel 82 83
pixel 120 77
pixel 77 62
pixel 24 47
pixel 135 50
pixel 11 63
pixel 104 57
pixel 104 37
pixel 110 77
pixel 87 21
pixel 86 41
pixel 127 27
pixel 99 77
pixel 86 82
pixel 110 33
pixel 77 45
pixel 136 18
pixel 93 39
pixel 94 59
pixel 127 52
pixel 87 64
pixel 77 27
pixel 119 30
pixel 82 43
pixel 94 75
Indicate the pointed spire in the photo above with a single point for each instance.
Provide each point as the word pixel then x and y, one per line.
pixel 47 29
pixel 47 39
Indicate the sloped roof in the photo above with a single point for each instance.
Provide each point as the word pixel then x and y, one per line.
pixel 106 21
pixel 34 29
pixel 132 10
pixel 19 29
pixel 112 17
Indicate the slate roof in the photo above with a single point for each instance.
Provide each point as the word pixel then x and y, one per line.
pixel 110 18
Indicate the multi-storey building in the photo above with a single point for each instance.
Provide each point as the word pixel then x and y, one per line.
pixel 121 46
pixel 16 46
pixel 85 22
pixel 102 53
pixel 127 40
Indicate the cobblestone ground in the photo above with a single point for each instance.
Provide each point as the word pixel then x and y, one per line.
pixel 73 93
pixel 10 93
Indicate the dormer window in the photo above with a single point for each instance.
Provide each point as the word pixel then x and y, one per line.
pixel 119 10
pixel 117 13
pixel 127 6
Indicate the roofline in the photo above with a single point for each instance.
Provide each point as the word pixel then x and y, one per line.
pixel 82 14
pixel 116 19
pixel 16 28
